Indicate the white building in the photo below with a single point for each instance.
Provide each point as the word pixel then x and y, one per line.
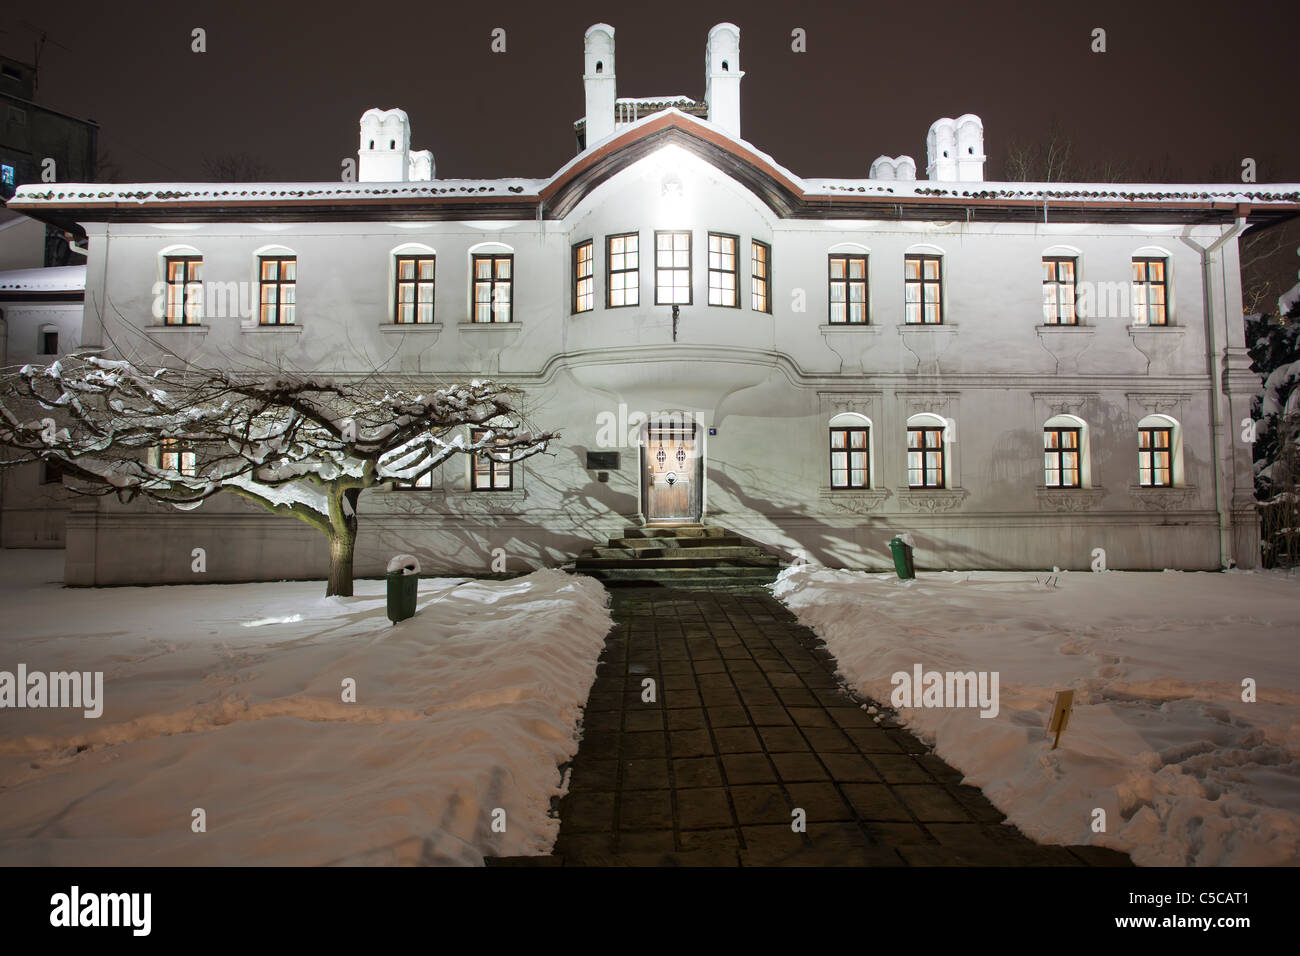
pixel 1016 373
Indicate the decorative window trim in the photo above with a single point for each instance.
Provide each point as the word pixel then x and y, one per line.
pixel 858 501
pixel 1177 498
pixel 1068 499
pixel 931 500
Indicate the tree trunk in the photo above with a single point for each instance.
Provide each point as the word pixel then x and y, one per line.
pixel 343 540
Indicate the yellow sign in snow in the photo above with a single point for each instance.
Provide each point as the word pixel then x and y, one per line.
pixel 1061 707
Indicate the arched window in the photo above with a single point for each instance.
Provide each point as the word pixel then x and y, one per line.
pixel 850 451
pixel 1065 453
pixel 413 272
pixel 1060 285
pixel 492 282
pixel 277 285
pixel 1151 302
pixel 847 292
pixel 923 285
pixel 927 454
pixel 181 285
pixel 1160 452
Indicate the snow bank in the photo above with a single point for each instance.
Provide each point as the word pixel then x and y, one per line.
pixel 229 698
pixel 1159 737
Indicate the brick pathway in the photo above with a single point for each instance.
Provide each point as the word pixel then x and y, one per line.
pixel 748 724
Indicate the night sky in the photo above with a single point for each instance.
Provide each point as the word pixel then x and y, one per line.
pixel 1197 85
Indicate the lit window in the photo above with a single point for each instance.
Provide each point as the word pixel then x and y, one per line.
pixel 624 270
pixel 1058 290
pixel 1061 458
pixel 924 457
pixel 923 278
pixel 1149 291
pixel 413 296
pixel 493 288
pixel 1155 458
pixel 722 271
pixel 848 290
pixel 489 473
pixel 173 456
pixel 672 268
pixel 184 290
pixel 849 458
pixel 760 258
pixel 279 282
pixel 584 277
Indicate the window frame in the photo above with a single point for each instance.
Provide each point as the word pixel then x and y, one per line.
pixel 279 282
pixel 1148 454
pixel 734 272
pixel 848 283
pixel 193 268
pixel 1147 283
pixel 922 281
pixel 690 265
pixel 1059 452
pixel 492 282
pixel 610 271
pixel 418 258
pixel 576 278
pixel 1058 284
pixel 492 466
pixel 755 279
pixel 848 451
pixel 940 449
pixel 182 451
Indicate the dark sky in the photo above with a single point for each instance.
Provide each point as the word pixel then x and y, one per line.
pixel 1196 85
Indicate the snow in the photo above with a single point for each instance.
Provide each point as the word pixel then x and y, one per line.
pixel 1288 300
pixel 52 279
pixel 229 698
pixel 1159 737
pixel 406 563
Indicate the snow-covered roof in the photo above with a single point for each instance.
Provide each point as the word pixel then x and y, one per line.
pixel 53 279
pixel 92 194
pixel 1099 192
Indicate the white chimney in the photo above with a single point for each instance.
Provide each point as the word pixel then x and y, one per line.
pixel 898 167
pixel 956 149
pixel 599 82
pixel 384 154
pixel 722 75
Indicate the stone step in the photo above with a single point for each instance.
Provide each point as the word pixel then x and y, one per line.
pixel 682 577
pixel 711 541
pixel 725 552
pixel 675 531
pixel 761 560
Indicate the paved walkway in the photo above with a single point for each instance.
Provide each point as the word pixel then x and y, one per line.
pixel 747 724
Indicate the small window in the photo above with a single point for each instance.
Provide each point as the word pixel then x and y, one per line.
pixel 1149 291
pixel 623 267
pixel 51 472
pixel 1058 290
pixel 760 272
pixel 49 343
pixel 1155 457
pixel 494 288
pixel 672 268
pixel 174 456
pixel 184 290
pixel 413 296
pixel 279 284
pixel 489 474
pixel 723 287
pixel 924 457
pixel 584 277
pixel 850 466
pixel 1061 458
pixel 848 290
pixel 923 278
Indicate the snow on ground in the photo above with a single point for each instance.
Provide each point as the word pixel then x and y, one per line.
pixel 229 698
pixel 1159 737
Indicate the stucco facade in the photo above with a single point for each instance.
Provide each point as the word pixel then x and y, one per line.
pixel 760 388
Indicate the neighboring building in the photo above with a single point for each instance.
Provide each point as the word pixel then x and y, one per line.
pixel 1016 373
pixel 40 320
pixel 37 142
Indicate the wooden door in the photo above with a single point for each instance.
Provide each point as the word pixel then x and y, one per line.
pixel 672 470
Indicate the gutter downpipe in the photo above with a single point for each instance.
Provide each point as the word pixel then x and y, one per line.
pixel 1218 365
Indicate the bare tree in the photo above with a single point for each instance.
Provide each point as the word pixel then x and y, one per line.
pixel 295 444
pixel 234 168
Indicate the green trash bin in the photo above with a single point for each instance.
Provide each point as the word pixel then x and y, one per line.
pixel 403 585
pixel 902 558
